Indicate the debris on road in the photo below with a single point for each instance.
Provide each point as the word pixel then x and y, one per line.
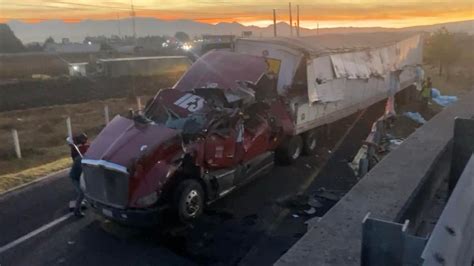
pixel 394 143
pixel 415 116
pixel 314 203
pixel 332 195
pixel 310 211
pixel 443 100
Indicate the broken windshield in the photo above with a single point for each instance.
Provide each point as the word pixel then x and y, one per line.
pixel 161 114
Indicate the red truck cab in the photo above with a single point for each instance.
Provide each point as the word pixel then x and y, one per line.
pixel 192 145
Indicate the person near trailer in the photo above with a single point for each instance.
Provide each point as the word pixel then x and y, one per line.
pixel 78 147
pixel 426 93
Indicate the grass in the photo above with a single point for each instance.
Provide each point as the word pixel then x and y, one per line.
pixel 42 133
pixel 8 181
pixel 460 82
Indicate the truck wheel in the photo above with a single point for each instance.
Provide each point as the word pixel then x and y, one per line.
pixel 189 200
pixel 310 142
pixel 289 150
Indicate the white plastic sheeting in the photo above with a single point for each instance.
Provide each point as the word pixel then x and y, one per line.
pixel 377 62
pixel 325 74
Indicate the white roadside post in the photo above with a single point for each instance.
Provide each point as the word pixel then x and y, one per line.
pixel 16 142
pixel 106 114
pixel 139 104
pixel 69 127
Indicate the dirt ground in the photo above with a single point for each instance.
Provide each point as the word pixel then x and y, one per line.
pixel 36 93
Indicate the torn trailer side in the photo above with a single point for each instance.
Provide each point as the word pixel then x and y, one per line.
pixel 322 84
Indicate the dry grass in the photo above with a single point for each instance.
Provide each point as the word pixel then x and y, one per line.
pixel 460 82
pixel 16 179
pixel 42 131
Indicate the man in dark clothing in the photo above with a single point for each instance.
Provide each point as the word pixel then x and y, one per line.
pixel 78 146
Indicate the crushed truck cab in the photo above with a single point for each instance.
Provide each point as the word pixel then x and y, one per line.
pixel 228 118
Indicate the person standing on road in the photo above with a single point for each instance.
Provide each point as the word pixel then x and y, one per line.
pixel 426 93
pixel 78 146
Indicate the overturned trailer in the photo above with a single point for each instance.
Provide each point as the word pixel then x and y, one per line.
pixel 229 116
pixel 329 77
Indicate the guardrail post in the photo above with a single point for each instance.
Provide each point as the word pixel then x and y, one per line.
pixel 69 127
pixel 106 114
pixel 16 143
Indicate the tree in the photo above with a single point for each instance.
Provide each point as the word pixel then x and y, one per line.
pixel 9 43
pixel 182 36
pixel 48 40
pixel 441 49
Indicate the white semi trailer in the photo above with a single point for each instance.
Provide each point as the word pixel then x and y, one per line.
pixel 326 78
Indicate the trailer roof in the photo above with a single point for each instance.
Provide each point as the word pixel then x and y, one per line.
pixel 338 43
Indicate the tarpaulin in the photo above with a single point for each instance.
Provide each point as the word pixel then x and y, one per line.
pixel 377 62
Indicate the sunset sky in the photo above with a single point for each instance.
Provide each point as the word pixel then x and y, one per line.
pixel 333 13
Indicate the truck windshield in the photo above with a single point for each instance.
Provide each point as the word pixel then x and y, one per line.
pixel 160 114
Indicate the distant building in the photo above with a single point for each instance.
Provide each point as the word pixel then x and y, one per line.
pixel 142 66
pixel 72 48
pixel 247 34
pixel 209 38
pixel 211 42
pixel 77 69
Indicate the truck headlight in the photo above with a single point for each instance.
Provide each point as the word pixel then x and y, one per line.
pixel 148 200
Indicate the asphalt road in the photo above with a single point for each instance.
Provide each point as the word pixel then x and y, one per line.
pixel 249 227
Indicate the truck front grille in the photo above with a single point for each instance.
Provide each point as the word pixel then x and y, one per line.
pixel 107 186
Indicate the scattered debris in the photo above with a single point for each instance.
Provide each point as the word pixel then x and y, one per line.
pixel 394 143
pixel 332 195
pixel 308 166
pixel 71 242
pixel 296 202
pixel 310 211
pixel 415 116
pixel 443 100
pixel 295 216
pixel 314 203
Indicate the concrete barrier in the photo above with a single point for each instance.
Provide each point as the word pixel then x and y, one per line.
pixel 394 190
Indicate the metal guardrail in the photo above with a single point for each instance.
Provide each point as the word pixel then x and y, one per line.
pixel 452 239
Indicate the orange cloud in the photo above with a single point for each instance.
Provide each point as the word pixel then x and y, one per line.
pixel 335 12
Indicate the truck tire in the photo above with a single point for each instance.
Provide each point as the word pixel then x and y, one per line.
pixel 289 150
pixel 310 142
pixel 189 200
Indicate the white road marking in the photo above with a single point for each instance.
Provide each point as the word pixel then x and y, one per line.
pixel 34 233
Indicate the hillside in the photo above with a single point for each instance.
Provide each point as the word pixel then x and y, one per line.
pixel 31 32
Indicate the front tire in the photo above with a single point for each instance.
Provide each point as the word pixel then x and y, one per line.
pixel 289 150
pixel 189 200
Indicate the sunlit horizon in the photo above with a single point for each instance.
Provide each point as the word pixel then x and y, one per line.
pixel 325 14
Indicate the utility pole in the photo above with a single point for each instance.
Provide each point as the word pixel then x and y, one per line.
pixel 274 24
pixel 118 26
pixel 133 22
pixel 298 20
pixel 317 29
pixel 291 19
